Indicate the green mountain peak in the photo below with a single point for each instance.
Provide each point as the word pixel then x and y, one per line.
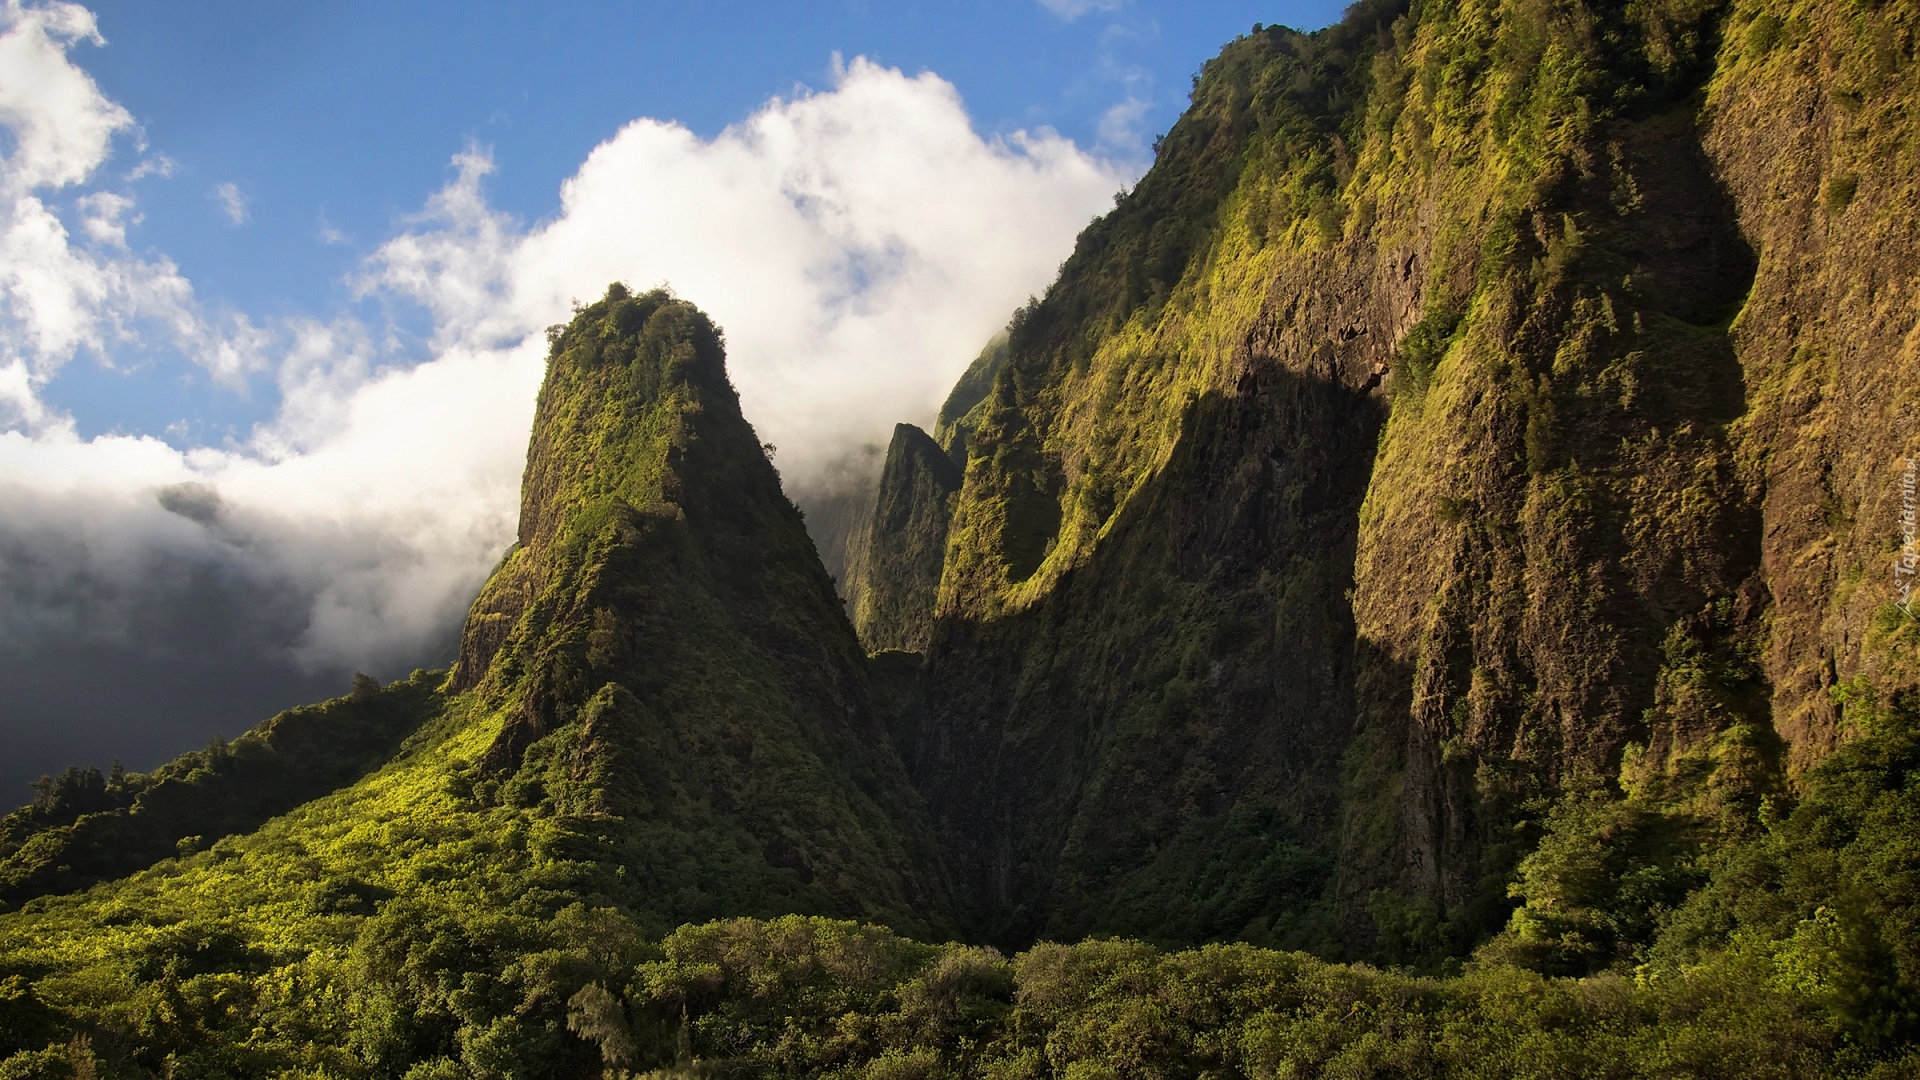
pixel 1447 515
pixel 664 646
pixel 660 714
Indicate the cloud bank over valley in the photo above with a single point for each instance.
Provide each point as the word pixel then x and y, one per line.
pixel 857 244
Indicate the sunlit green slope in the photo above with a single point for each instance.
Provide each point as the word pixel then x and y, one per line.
pixel 1448 515
pixel 1485 410
pixel 84 827
pixel 660 714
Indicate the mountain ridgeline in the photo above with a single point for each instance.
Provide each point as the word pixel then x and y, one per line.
pixel 1448 515
pixel 1457 416
pixel 667 651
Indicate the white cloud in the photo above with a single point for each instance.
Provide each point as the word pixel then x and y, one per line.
pixel 57 299
pixel 103 215
pixel 62 125
pixel 378 503
pixel 232 350
pixel 158 165
pixel 1070 10
pixel 18 399
pixel 857 245
pixel 232 203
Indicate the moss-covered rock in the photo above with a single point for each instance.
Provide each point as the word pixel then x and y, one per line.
pixel 896 567
pixel 1454 510
pixel 666 649
pixel 1462 408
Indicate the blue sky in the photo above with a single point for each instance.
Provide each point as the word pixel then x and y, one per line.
pixel 333 122
pixel 274 281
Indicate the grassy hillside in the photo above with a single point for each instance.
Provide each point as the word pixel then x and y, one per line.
pixel 660 714
pixel 85 827
pixel 398 929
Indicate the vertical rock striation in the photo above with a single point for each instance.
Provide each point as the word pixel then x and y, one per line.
pixel 896 565
pixel 1472 401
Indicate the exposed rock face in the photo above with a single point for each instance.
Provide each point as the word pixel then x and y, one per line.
pixel 1090 756
pixel 1477 406
pixel 1463 405
pixel 663 643
pixel 1809 124
pixel 896 565
pixel 1141 679
pixel 1580 511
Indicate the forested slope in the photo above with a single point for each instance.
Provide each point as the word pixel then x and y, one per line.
pixel 1419 596
pixel 660 714
pixel 86 827
pixel 1481 411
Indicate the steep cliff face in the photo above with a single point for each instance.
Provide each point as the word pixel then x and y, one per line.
pixel 1140 678
pixel 1809 124
pixel 961 413
pixel 666 649
pixel 1657 549
pixel 1472 404
pixel 1559 445
pixel 895 558
pixel 895 567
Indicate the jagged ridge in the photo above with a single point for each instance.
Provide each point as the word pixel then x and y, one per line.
pixel 1430 435
pixel 663 592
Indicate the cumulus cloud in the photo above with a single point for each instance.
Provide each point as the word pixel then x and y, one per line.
pixel 103 214
pixel 379 501
pixel 62 125
pixel 158 165
pixel 58 297
pixel 857 245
